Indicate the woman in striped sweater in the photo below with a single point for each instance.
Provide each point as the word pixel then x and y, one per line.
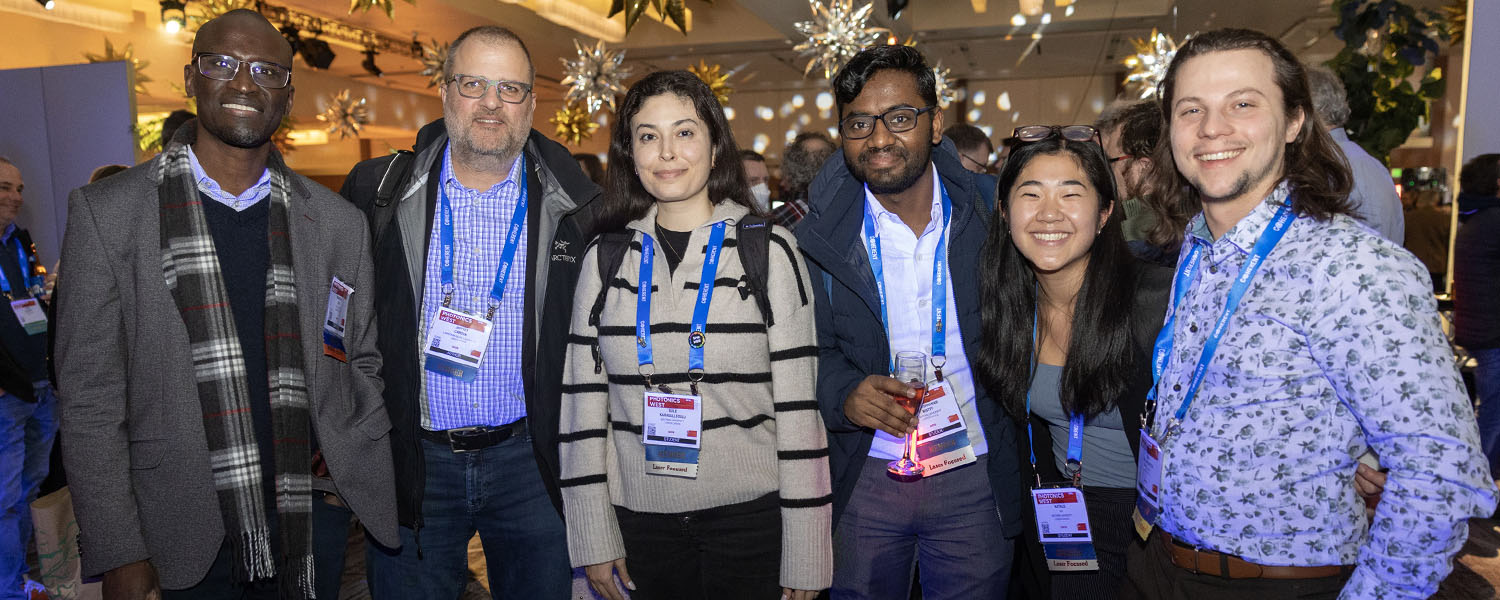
pixel 694 460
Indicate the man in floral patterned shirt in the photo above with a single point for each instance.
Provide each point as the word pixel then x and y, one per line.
pixel 1335 348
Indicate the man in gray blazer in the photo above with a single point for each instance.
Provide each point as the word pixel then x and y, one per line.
pixel 213 301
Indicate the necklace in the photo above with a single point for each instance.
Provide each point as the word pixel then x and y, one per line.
pixel 667 243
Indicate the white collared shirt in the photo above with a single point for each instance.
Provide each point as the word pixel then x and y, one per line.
pixel 907 261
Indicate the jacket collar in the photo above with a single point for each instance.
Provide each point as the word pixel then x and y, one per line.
pixel 830 233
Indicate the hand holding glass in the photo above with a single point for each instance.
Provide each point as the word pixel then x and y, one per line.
pixel 911 369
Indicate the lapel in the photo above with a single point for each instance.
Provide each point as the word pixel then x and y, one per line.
pixel 306 230
pixel 834 241
pixel 967 235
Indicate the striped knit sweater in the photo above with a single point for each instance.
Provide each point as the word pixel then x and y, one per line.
pixel 762 432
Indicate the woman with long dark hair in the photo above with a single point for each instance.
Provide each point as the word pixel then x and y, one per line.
pixel 1069 317
pixel 694 459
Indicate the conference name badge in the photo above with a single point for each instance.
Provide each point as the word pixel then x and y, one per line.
pixel 334 321
pixel 672 433
pixel 942 437
pixel 29 312
pixel 1063 523
pixel 1147 485
pixel 456 343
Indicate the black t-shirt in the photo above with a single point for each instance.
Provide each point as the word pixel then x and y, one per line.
pixel 675 243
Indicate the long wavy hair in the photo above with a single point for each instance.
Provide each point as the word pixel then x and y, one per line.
pixel 1312 163
pixel 1100 353
pixel 625 199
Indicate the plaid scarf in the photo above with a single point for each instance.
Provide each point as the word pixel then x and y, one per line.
pixel 190 264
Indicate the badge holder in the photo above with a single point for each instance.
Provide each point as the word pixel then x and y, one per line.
pixel 1062 516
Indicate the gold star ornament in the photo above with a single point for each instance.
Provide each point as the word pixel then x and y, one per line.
pixel 716 78
pixel 573 124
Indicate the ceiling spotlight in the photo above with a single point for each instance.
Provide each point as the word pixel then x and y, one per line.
pixel 173 15
pixel 293 37
pixel 369 63
pixel 316 53
pixel 47 4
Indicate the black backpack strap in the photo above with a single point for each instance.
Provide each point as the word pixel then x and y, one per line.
pixel 611 247
pixel 754 243
pixel 397 173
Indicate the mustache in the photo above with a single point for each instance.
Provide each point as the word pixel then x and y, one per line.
pixel 895 149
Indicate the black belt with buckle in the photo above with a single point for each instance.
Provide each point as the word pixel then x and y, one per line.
pixel 471 439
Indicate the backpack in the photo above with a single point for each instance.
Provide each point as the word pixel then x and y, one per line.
pixel 397 173
pixel 753 238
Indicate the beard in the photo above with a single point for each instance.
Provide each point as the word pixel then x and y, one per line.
pixel 1242 184
pixel 896 179
pixel 241 134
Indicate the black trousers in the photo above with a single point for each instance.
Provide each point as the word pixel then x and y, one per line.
pixel 330 533
pixel 1154 577
pixel 730 552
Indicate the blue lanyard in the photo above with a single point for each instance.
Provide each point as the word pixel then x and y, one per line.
pixel 1187 273
pixel 696 333
pixel 939 283
pixel 507 256
pixel 1074 462
pixel 23 265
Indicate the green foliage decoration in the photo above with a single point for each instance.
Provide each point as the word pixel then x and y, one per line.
pixel 1384 66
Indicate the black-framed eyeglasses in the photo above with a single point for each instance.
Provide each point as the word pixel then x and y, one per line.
pixel 474 86
pixel 981 164
pixel 222 67
pixel 897 120
pixel 1074 133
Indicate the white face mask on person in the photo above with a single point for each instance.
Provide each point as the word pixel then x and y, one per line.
pixel 762 194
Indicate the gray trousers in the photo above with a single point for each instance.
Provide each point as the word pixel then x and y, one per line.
pixel 948 523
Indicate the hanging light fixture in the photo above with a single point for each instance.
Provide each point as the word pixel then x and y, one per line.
pixel 369 63
pixel 173 15
pixel 316 52
pixel 47 4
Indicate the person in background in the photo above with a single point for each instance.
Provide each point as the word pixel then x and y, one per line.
pixel 106 171
pixel 1476 290
pixel 758 178
pixel 28 402
pixel 893 242
pixel 748 515
pixel 1373 198
pixel 1130 131
pixel 216 341
pixel 974 147
pixel 1094 309
pixel 591 166
pixel 174 120
pixel 476 444
pixel 1296 339
pixel 799 164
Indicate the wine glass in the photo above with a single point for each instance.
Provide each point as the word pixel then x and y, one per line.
pixel 911 369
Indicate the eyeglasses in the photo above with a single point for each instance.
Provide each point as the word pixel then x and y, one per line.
pixel 222 67
pixel 474 86
pixel 979 163
pixel 1037 133
pixel 897 120
pixel 1115 159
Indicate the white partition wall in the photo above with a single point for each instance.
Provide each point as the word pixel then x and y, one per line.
pixel 58 124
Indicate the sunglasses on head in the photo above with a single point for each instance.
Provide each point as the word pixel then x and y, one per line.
pixel 1075 133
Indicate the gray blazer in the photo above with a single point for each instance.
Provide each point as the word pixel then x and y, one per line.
pixel 135 450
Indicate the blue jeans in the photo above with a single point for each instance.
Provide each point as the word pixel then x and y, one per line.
pixel 26 433
pixel 1487 387
pixel 496 492
pixel 947 524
